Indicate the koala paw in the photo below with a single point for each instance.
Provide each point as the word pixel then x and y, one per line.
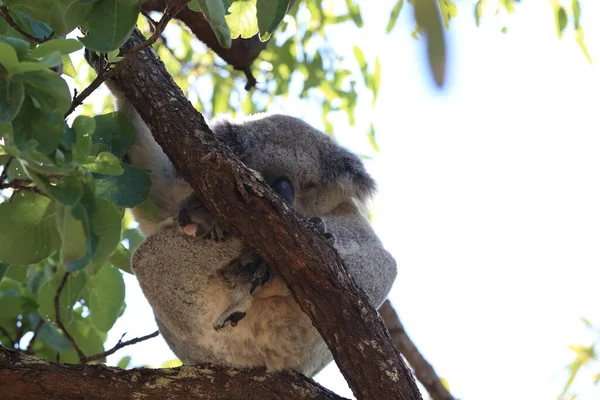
pixel 215 233
pixel 261 275
pixel 232 317
pixel 320 226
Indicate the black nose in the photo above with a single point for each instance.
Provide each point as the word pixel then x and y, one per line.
pixel 183 217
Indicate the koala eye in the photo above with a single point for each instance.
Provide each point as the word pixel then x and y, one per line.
pixel 284 188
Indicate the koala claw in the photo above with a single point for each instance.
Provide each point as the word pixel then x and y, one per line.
pixel 261 275
pixel 215 233
pixel 232 317
pixel 320 226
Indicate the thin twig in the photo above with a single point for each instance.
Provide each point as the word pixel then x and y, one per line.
pixel 422 369
pixel 36 331
pixel 118 346
pixel 149 18
pixel 5 167
pixel 10 21
pixel 58 320
pixel 107 73
pixel 250 79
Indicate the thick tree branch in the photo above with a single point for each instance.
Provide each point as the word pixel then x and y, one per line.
pixel 423 370
pixel 351 327
pixel 26 377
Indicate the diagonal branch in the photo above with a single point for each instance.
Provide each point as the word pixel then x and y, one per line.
pixel 351 327
pixel 423 370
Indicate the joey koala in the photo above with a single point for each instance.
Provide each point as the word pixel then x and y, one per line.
pixel 214 298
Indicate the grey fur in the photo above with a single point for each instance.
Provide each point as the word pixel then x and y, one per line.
pixel 195 283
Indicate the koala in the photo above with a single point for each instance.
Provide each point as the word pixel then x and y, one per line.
pixel 214 298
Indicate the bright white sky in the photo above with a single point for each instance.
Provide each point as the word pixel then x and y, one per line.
pixel 489 199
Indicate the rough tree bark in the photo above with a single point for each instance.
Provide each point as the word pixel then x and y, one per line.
pixel 23 377
pixel 351 327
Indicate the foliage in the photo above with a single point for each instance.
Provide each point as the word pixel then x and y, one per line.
pixel 65 182
pixel 586 357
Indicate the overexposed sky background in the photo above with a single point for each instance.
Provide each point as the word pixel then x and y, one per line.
pixel 489 198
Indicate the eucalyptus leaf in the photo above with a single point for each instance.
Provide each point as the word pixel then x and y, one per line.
pixel 110 24
pixel 106 297
pixel 27 229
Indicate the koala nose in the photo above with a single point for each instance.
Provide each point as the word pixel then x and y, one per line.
pixel 183 217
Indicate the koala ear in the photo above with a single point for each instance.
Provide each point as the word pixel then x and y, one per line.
pixel 347 170
pixel 230 134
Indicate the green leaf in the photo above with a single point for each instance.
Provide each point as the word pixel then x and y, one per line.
pixel 134 238
pixel 371 136
pixel 576 8
pixel 27 229
pixel 37 29
pixel 354 11
pixel 8 57
pixel 17 272
pixel 63 46
pixel 376 81
pixel 560 19
pixel 124 362
pixel 73 236
pixel 50 335
pixel 106 224
pixel 129 189
pixel 87 337
pixel 104 163
pixel 269 14
pixel 121 259
pixel 394 16
pixel 48 89
pixel 580 41
pixel 68 68
pixel 171 363
pixel 69 295
pixel 84 128
pixel 115 131
pixel 106 297
pixel 448 11
pixel 428 19
pixel 82 212
pixel 242 19
pixel 11 301
pixel 66 189
pixel 3 269
pixel 19 45
pixel 214 11
pixel 62 15
pixel 110 24
pixel 12 95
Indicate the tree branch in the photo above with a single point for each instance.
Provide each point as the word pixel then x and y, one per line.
pixel 423 370
pixel 58 319
pixel 117 347
pixel 350 326
pixel 240 55
pixel 26 377
pixel 106 72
